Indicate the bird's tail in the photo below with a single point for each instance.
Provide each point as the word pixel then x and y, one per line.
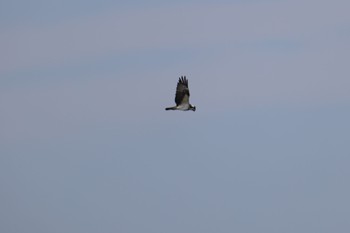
pixel 170 108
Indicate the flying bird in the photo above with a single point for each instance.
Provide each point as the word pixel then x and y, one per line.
pixel 182 96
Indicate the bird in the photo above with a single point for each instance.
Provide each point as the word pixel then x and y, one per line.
pixel 182 96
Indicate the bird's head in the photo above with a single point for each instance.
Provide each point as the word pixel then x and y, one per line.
pixel 193 108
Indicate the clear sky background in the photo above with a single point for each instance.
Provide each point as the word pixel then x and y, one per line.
pixel 86 145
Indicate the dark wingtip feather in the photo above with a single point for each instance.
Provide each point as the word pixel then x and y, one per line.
pixel 183 80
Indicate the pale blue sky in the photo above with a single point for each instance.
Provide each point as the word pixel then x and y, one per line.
pixel 86 145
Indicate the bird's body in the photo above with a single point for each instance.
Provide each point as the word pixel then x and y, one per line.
pixel 182 107
pixel 182 96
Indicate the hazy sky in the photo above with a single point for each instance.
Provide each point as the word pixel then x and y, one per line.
pixel 86 145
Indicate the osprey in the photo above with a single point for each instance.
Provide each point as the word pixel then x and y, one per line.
pixel 182 96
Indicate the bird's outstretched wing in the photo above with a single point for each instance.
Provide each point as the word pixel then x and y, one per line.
pixel 182 95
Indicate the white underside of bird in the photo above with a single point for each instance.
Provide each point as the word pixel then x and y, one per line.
pixel 183 107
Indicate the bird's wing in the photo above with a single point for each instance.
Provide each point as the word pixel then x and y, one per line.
pixel 182 92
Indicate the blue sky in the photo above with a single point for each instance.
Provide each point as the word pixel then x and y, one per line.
pixel 86 146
